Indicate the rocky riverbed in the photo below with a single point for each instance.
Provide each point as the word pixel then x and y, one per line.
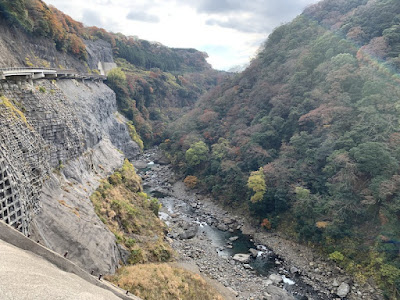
pixel 267 267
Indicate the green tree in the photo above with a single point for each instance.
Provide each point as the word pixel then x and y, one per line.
pixel 196 154
pixel 256 182
pixel 116 77
pixel 373 158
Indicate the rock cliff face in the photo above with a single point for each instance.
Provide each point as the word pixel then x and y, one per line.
pixel 57 140
pixel 100 56
pixel 17 49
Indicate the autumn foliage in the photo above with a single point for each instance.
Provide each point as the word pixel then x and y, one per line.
pixel 35 17
pixel 266 224
pixel 308 134
pixel 191 182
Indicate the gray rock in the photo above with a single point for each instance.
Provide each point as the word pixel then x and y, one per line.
pixel 335 283
pixel 268 282
pixel 99 51
pixel 275 293
pixel 222 227
pixel 294 270
pixel 234 238
pixel 247 266
pixel 96 107
pixel 139 164
pixel 235 293
pixel 190 232
pixel 89 243
pixel 159 192
pixel 343 290
pixel 162 160
pixel 253 252
pixel 228 221
pixel 124 253
pixel 241 257
pixel 275 278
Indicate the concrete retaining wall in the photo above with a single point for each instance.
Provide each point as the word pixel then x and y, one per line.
pixel 14 237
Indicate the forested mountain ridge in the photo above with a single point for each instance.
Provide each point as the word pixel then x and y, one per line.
pixel 153 84
pixel 40 20
pixel 308 135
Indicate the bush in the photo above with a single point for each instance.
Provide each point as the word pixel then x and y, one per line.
pixel 336 256
pixel 155 206
pixel 135 256
pixel 115 178
pixel 191 182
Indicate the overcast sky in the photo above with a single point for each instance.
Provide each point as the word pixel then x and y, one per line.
pixel 230 31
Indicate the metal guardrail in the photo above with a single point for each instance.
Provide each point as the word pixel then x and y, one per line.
pixel 61 72
pixel 26 68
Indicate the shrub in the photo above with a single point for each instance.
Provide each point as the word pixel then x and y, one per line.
pixel 191 182
pixel 115 178
pixel 266 224
pixel 135 256
pixel 336 256
pixel 130 242
pixel 155 205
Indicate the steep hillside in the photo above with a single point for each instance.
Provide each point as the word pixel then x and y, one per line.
pixel 52 156
pixel 65 181
pixel 151 99
pixel 307 135
pixel 160 81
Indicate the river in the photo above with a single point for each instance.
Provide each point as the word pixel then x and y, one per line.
pixel 203 233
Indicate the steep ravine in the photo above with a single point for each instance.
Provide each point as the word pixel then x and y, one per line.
pixel 58 140
pixel 200 232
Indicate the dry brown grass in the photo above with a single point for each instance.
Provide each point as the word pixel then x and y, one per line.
pixel 75 210
pixel 127 212
pixel 163 282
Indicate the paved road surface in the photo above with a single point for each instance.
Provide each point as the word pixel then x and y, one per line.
pixel 24 275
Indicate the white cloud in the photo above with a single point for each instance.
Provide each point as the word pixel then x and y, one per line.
pixel 230 31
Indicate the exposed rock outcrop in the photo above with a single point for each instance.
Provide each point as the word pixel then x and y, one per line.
pixel 66 129
pixel 96 106
pixel 68 222
pixel 100 56
pixel 18 48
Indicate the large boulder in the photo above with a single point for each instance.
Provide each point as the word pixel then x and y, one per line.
pixel 233 238
pixel 275 278
pixel 275 293
pixel 162 160
pixel 222 227
pixel 253 252
pixel 189 232
pixel 242 258
pixel 343 290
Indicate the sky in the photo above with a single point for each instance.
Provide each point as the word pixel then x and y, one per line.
pixel 230 31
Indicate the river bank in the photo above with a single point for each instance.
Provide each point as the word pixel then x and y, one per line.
pixel 204 234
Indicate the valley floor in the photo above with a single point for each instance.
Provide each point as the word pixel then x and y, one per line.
pixel 190 218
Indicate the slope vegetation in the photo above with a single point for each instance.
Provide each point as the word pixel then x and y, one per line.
pixel 307 137
pixel 153 84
